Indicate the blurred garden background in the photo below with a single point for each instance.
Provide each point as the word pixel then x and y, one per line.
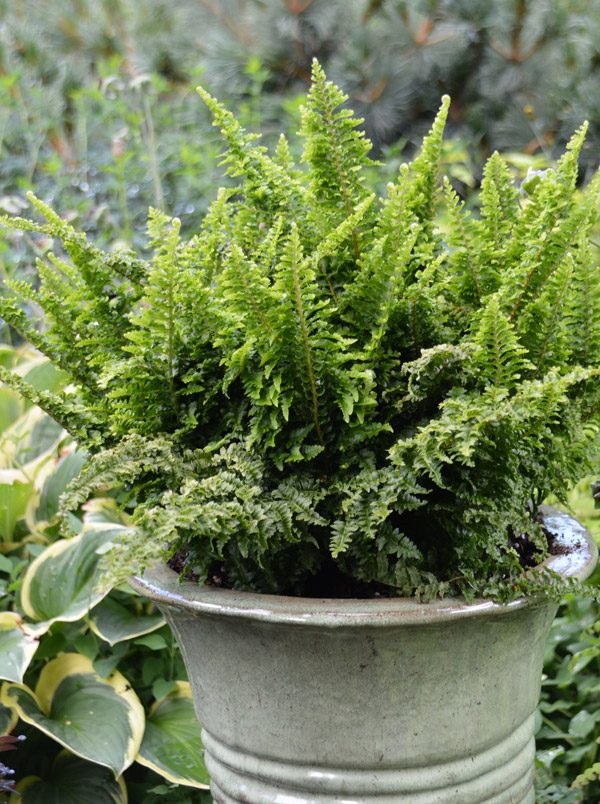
pixel 99 116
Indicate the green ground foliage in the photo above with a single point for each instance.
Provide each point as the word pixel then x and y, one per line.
pixel 69 647
pixel 568 720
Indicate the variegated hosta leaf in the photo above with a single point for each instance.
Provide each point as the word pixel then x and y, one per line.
pixel 32 436
pixel 11 408
pixel 39 372
pixel 101 510
pixel 8 355
pixel 17 646
pixel 33 368
pixel 172 745
pixel 113 622
pixel 98 719
pixel 71 780
pixel 27 451
pixel 61 583
pixel 8 719
pixel 54 482
pixel 16 489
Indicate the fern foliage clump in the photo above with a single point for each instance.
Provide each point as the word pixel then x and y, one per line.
pixel 322 386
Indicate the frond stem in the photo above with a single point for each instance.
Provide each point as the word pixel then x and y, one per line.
pixel 534 269
pixel 342 177
pixel 307 352
pixel 325 273
pixel 553 321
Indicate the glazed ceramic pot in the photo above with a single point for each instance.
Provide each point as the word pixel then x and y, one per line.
pixel 306 701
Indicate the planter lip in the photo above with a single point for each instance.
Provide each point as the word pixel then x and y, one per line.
pixel 577 559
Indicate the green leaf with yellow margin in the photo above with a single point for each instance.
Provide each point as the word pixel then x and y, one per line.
pixel 172 745
pixel 100 510
pixel 61 583
pixel 37 370
pixel 43 375
pixel 10 407
pixel 71 780
pixel 98 719
pixel 31 436
pixel 16 489
pixel 8 720
pixel 113 622
pixel 54 483
pixel 17 647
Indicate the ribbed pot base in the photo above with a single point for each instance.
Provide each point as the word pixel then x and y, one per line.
pixel 513 797
pixel 501 774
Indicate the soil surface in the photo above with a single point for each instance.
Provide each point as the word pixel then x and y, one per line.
pixel 329 582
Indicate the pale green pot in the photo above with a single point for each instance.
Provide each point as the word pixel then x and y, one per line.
pixel 306 701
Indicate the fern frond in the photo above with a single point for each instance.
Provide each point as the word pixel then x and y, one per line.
pixel 547 252
pixel 284 158
pixel 268 249
pixel 16 316
pixel 567 168
pixel 86 302
pixel 246 289
pixel 76 419
pixel 549 222
pixel 329 253
pixel 89 260
pixel 369 497
pixel 202 255
pixel 72 330
pixel 475 430
pixel 439 365
pixel 245 307
pixel 294 283
pixel 272 186
pixel 499 357
pixel 386 283
pixel 337 236
pixel 425 309
pixel 464 256
pixel 583 314
pixel 543 325
pixel 143 385
pixel 396 212
pixel 336 152
pixel 499 207
pixel 425 170
pixel 121 465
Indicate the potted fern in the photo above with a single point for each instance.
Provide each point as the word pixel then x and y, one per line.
pixel 336 417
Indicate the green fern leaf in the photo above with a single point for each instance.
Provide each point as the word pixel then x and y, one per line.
pixel 583 313
pixel 499 357
pixel 336 152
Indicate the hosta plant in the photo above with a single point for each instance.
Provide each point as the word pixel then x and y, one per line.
pixel 69 645
pixel 328 392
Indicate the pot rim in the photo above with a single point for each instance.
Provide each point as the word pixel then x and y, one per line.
pixel 577 559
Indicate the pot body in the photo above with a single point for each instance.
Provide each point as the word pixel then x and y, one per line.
pixel 322 701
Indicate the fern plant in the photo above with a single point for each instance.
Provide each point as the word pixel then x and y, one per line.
pixel 328 392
